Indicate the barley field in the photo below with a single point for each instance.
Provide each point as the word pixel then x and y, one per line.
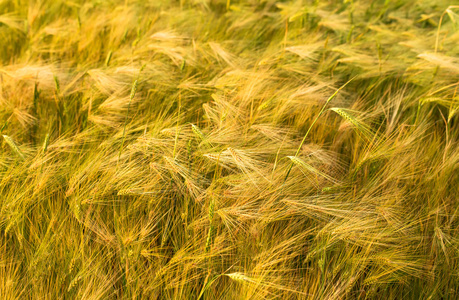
pixel 229 149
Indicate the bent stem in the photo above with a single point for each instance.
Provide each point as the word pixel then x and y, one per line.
pixel 314 122
pixel 133 91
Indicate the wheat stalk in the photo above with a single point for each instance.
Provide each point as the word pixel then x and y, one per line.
pixel 14 147
pixel 211 227
pixel 314 122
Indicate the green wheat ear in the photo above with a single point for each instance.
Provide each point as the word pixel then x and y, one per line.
pixel 57 84
pixel 13 146
pixel 358 125
pixel 109 58
pixel 239 277
pixel 200 134
pixel 46 143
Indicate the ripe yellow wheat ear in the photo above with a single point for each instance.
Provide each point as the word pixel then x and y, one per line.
pixel 190 185
pixel 310 171
pixel 251 167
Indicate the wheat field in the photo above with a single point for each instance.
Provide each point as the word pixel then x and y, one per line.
pixel 229 149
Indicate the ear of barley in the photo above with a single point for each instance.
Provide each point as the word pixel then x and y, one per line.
pixel 169 131
pixel 265 104
pixel 198 132
pixel 109 57
pixel 239 277
pixel 431 99
pixel 125 192
pixel 358 125
pixel 74 283
pixel 235 155
pixel 13 146
pixel 133 91
pixel 56 82
pixel 211 211
pixel 212 156
pixel 345 115
pixel 173 164
pixel 301 163
pixel 45 144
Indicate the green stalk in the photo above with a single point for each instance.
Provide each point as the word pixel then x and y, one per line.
pixel 133 91
pixel 314 122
